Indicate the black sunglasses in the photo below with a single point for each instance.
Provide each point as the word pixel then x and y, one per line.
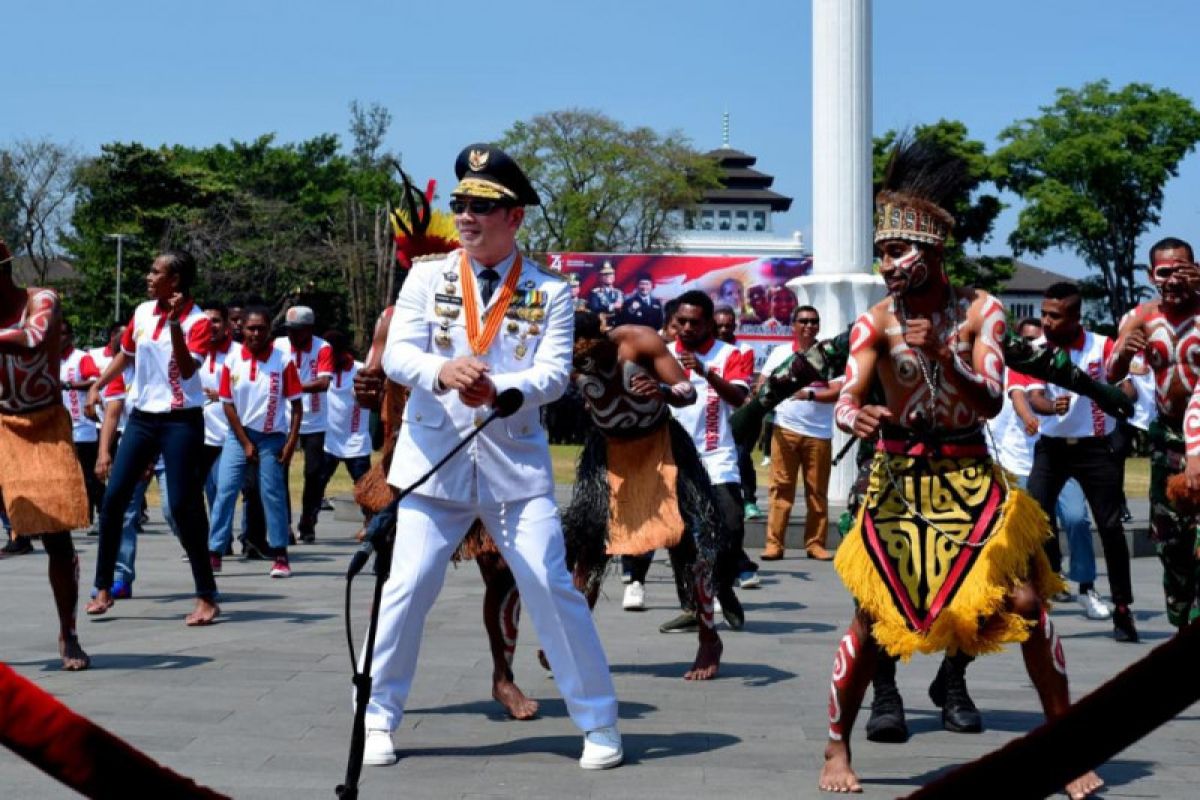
pixel 476 205
pixel 807 321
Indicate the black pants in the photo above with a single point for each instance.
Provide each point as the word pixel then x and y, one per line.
pixel 683 565
pixel 87 452
pixel 313 445
pixel 747 475
pixel 356 466
pixel 179 437
pixel 1090 461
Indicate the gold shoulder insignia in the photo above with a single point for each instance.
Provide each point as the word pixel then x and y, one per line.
pixel 430 257
pixel 550 273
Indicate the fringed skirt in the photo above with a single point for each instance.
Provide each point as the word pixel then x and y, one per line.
pixel 938 545
pixel 40 474
pixel 636 495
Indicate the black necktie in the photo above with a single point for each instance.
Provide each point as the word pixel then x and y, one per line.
pixel 490 278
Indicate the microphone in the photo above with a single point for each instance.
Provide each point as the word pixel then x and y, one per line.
pixel 506 404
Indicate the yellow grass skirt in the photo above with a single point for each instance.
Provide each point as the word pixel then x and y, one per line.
pixel 40 474
pixel 643 497
pixel 928 590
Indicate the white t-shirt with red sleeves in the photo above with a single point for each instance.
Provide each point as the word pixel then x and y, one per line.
pixel 348 435
pixel 313 363
pixel 160 386
pixel 78 366
pixel 121 388
pixel 803 417
pixel 260 391
pixel 1089 352
pixel 216 424
pixel 707 420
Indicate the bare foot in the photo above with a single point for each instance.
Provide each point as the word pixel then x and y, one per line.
pixel 836 775
pixel 206 613
pixel 1084 786
pixel 507 694
pixel 73 657
pixel 102 603
pixel 708 659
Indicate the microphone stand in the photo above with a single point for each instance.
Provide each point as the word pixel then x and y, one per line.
pixel 362 680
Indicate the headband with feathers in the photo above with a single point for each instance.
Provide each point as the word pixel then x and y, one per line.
pixel 920 181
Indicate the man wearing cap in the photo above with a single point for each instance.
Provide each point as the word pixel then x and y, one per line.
pixel 313 358
pixel 467 327
pixel 606 298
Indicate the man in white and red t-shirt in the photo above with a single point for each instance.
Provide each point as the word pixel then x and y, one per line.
pixel 314 360
pixel 348 437
pixel 76 373
pixel 165 341
pixel 1074 444
pixel 801 445
pixel 721 378
pixel 724 328
pixel 260 393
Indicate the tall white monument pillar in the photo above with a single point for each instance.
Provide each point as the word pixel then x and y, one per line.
pixel 843 283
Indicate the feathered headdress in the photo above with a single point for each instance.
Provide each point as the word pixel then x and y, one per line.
pixel 417 228
pixel 921 180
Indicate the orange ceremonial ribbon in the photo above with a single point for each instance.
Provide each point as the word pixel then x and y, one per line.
pixel 479 340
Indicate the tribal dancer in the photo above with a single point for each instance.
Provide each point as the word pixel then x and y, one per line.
pixel 40 475
pixel 944 555
pixel 1166 333
pixel 641 484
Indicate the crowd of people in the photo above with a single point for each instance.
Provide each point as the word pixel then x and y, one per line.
pixel 943 551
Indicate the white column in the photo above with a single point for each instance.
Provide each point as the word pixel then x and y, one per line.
pixel 841 139
pixel 842 285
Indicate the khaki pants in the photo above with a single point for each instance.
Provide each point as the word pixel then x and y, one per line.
pixel 790 452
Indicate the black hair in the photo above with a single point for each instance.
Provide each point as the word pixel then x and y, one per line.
pixel 1171 243
pixel 587 325
pixel 1061 290
pixel 183 266
pixel 339 342
pixel 700 300
pixel 261 311
pixel 218 307
pixel 670 308
pixel 644 276
pixel 725 309
pixel 116 327
pixel 813 309
pixel 1029 321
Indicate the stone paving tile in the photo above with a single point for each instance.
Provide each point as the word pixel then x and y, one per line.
pixel 258 706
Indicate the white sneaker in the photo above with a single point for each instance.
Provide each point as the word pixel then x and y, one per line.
pixel 1093 606
pixel 602 749
pixel 716 606
pixel 635 597
pixel 379 750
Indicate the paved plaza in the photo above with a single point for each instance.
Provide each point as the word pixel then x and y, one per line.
pixel 258 706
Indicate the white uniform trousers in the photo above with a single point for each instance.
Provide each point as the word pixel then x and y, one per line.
pixel 529 536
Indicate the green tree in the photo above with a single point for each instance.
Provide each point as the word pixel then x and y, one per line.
pixel 265 221
pixel 1091 170
pixel 605 187
pixel 974 212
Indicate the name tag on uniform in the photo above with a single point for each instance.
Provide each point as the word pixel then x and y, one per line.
pixel 450 299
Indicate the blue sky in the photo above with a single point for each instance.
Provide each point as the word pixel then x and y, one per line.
pixel 451 73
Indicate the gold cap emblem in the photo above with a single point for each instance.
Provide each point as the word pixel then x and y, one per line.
pixel 477 160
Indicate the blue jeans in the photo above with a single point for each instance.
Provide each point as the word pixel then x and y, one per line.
pixel 272 481
pixel 1072 513
pixel 178 436
pixel 127 553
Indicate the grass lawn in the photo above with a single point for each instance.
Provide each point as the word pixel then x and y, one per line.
pixel 564 456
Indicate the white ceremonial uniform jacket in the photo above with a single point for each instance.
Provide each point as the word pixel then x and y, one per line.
pixel 510 460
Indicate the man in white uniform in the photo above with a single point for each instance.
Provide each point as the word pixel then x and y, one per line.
pixel 467 327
